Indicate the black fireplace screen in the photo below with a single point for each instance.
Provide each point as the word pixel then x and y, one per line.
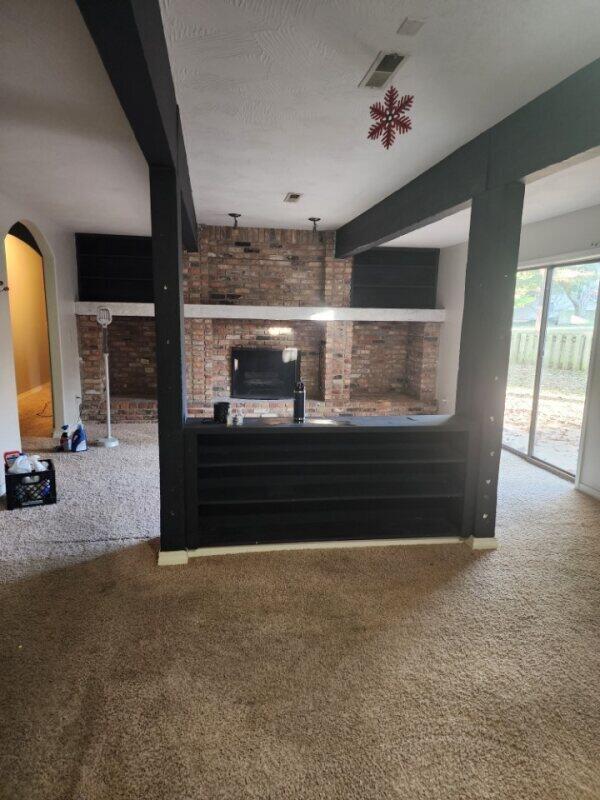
pixel 264 374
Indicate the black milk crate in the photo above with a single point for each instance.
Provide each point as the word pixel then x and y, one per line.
pixel 31 488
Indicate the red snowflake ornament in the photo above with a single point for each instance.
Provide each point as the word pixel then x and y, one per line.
pixel 390 117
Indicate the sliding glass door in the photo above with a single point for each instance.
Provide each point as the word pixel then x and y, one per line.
pixel 524 346
pixel 552 333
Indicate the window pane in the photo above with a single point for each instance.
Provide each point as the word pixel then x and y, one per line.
pixel 529 298
pixel 565 363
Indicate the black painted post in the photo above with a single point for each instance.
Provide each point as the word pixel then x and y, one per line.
pixel 485 342
pixel 165 199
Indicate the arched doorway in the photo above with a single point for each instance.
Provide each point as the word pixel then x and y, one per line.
pixel 29 326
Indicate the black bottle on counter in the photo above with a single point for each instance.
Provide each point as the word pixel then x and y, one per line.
pixel 299 402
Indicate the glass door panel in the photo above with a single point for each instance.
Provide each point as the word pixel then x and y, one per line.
pixel 572 299
pixel 524 345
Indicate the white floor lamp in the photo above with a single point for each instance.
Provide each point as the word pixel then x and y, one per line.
pixel 104 318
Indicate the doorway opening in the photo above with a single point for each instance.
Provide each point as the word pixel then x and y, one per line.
pixel 29 326
pixel 551 345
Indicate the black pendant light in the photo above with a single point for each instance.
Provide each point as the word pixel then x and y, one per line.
pixel 314 221
pixel 235 218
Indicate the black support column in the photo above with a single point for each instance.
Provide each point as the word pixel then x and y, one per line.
pixel 485 342
pixel 165 198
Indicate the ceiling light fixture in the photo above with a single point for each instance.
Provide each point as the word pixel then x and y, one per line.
pixel 410 27
pixel 292 197
pixel 314 221
pixel 235 218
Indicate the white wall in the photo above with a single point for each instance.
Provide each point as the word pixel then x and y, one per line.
pixel 575 235
pixel 450 295
pixel 588 476
pixel 60 273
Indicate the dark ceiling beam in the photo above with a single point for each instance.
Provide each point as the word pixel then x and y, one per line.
pixel 557 125
pixel 448 184
pixel 130 38
pixel 188 218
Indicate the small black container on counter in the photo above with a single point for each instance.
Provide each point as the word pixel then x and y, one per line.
pixel 299 402
pixel 221 412
pixel 31 488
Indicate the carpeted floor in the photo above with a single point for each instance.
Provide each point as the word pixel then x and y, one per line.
pixel 397 673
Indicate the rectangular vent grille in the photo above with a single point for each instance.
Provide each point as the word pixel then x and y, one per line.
pixel 381 70
pixel 292 197
pixel 410 27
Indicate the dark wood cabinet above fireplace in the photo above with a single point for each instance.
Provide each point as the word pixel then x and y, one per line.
pixel 395 277
pixel 114 268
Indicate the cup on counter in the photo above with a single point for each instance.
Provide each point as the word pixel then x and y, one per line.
pixel 221 412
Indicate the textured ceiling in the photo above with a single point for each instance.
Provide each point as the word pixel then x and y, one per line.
pixel 270 104
pixel 570 189
pixel 66 148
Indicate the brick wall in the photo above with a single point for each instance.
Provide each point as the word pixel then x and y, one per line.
pixel 359 368
pixel 346 366
pixel 338 363
pixel 132 369
pixel 266 266
pixel 422 361
pixel 392 357
pixel 132 342
pixel 379 354
pixel 91 368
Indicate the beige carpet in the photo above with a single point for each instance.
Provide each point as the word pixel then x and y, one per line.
pixel 396 673
pixel 35 412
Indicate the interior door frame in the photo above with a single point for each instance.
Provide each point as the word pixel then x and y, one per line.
pixel 592 377
pixel 539 363
pixel 539 357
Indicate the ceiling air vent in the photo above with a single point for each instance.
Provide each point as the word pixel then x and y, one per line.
pixel 292 197
pixel 410 27
pixel 381 70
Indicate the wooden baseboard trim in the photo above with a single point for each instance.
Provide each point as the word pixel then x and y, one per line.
pixel 589 490
pixel 172 558
pixel 482 542
pixel 201 552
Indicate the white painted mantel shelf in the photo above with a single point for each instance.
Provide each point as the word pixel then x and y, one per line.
pixel 315 313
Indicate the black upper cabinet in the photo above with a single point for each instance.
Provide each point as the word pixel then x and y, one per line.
pixel 114 268
pixel 395 277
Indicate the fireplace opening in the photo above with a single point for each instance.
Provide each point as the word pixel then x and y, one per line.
pixel 264 374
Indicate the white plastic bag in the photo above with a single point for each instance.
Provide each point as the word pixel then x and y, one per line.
pixel 21 465
pixel 37 465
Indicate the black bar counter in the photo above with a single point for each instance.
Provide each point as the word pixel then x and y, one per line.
pixel 415 422
pixel 271 480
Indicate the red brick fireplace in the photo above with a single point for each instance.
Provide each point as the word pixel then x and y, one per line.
pixel 348 366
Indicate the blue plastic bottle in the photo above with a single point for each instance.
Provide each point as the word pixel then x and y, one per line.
pixel 79 440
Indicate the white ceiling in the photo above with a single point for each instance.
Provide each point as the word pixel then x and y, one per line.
pixel 66 148
pixel 270 104
pixel 575 187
